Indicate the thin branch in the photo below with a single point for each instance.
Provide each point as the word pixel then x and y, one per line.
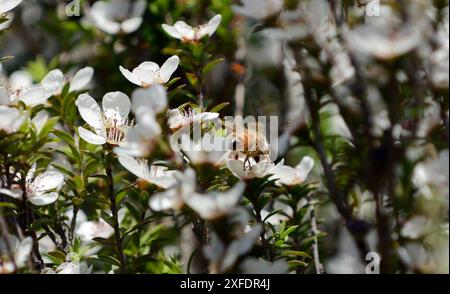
pixel 117 234
pixel 317 264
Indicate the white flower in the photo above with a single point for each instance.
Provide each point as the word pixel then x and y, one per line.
pixel 285 212
pixel 19 79
pixel 156 174
pixel 40 191
pixel 432 175
pixel 290 176
pixel 415 227
pixel 7 5
pixel 146 104
pixel 44 189
pixel 89 230
pixel 149 73
pixel 214 205
pixel 173 198
pixel 152 99
pixel 110 125
pixel 11 119
pixel 180 118
pixel 209 149
pixel 117 16
pixel 81 79
pixel 21 251
pixel 20 88
pixel 186 33
pixel 249 169
pixel 223 258
pixel 259 9
pixel 384 42
pixel 71 268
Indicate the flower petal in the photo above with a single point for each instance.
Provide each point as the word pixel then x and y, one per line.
pixel 131 25
pixel 43 199
pixel 90 137
pixel 139 8
pixel 130 76
pixel 14 193
pixel 137 168
pixel 33 96
pixel 153 98
pixel 47 181
pixel 237 168
pixel 11 118
pixel 53 82
pixel 81 79
pixel 305 167
pixel 169 199
pixel 211 27
pixel 23 251
pixel 90 111
pixel 215 204
pixel 172 31
pixel 117 101
pixel 186 31
pixel 7 5
pixel 168 68
pixel 20 79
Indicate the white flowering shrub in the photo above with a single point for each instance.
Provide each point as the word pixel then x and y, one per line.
pixel 124 149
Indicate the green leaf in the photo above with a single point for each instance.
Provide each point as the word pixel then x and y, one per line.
pixel 219 107
pixel 296 253
pixel 64 136
pixel 63 169
pixel 6 58
pixel 8 205
pixel 108 259
pixel 207 68
pixel 297 263
pixel 271 214
pixel 172 81
pixel 286 233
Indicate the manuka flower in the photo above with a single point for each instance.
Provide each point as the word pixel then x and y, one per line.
pixel 149 73
pixel 291 176
pixel 41 190
pixel 186 33
pixel 117 16
pixel 178 119
pixel 259 9
pixel 7 5
pixel 158 175
pixel 111 124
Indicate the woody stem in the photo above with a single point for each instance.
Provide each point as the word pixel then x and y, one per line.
pixel 114 212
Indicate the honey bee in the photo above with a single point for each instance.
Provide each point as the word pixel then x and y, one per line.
pixel 249 141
